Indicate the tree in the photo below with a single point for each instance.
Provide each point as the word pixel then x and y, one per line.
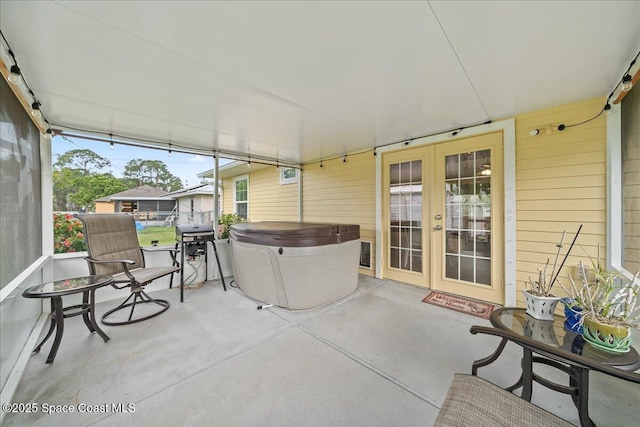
pixel 64 184
pixel 93 187
pixel 151 172
pixel 86 161
pixel 77 181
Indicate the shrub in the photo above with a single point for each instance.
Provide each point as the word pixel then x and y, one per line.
pixel 225 222
pixel 67 234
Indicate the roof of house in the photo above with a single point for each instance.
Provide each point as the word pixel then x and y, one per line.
pixel 144 192
pixel 203 188
pixel 232 169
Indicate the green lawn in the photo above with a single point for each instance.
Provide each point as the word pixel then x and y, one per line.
pixel 164 235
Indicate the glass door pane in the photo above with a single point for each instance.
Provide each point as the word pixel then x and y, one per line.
pixel 405 208
pixel 468 217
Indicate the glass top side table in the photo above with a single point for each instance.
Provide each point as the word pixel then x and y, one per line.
pixel 55 291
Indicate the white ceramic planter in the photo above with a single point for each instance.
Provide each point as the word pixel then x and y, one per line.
pixel 541 308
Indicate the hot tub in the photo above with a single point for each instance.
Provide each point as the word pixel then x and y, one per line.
pixel 295 265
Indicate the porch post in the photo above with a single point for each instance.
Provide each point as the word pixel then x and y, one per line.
pixel 216 202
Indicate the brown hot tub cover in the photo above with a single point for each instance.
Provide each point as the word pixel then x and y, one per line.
pixel 294 234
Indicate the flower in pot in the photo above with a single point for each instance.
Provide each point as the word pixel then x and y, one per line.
pixel 611 307
pixel 225 222
pixel 541 303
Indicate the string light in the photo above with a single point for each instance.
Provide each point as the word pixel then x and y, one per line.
pixel 344 159
pixel 321 165
pixel 35 109
pixel 48 134
pixel 627 83
pixel 14 75
pixel 170 152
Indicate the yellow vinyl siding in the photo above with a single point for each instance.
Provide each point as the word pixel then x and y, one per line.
pixel 345 193
pixel 227 196
pixel 560 184
pixel 270 201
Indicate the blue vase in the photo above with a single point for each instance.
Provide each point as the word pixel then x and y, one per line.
pixel 573 316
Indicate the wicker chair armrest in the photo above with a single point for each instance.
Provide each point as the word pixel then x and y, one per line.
pixel 124 262
pixel 172 252
pixel 112 261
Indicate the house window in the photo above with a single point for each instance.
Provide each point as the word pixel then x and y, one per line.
pixel 241 196
pixel 365 254
pixel 288 176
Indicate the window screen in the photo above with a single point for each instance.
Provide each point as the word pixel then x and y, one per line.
pixel 21 197
pixel 631 181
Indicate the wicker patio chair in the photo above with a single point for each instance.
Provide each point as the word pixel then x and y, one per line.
pixel 474 402
pixel 112 244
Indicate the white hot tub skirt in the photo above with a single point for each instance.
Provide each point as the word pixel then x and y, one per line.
pixel 296 277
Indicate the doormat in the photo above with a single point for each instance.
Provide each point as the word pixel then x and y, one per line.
pixel 463 305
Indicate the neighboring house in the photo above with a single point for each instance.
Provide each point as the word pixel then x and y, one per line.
pixel 194 205
pixel 146 203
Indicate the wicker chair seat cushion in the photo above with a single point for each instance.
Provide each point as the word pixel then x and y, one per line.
pixel 472 401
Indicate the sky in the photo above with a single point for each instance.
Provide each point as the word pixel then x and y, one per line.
pixel 184 166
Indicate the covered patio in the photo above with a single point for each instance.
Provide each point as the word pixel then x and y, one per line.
pixel 528 96
pixel 377 357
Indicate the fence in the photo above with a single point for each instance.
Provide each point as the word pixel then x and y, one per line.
pixel 171 218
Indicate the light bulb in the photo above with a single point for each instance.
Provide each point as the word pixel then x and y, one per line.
pixel 111 145
pixel 627 84
pixel 35 109
pixel 48 134
pixel 14 76
pixel 607 109
pixel 534 132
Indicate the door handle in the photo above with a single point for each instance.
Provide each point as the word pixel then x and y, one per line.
pixel 437 227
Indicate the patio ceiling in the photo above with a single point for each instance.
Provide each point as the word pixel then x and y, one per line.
pixel 300 81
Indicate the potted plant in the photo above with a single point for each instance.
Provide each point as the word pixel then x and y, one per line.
pixel 225 221
pixel 611 307
pixel 541 303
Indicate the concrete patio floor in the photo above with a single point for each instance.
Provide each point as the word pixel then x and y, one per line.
pixel 377 357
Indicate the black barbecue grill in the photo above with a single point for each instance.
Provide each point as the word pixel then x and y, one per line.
pixel 193 239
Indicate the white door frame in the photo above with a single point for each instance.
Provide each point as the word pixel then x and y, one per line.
pixel 509 215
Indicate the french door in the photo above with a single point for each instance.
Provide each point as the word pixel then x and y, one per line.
pixel 442 216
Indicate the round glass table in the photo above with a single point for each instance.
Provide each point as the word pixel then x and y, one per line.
pixel 55 291
pixel 559 348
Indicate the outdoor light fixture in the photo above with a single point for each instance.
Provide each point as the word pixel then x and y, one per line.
pixel 35 109
pixel 14 75
pixel 627 84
